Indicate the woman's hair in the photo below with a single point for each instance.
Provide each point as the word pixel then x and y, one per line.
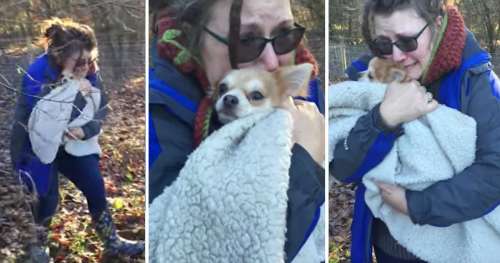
pixel 63 37
pixel 190 15
pixel 428 10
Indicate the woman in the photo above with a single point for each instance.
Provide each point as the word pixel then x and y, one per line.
pixel 70 56
pixel 431 41
pixel 180 110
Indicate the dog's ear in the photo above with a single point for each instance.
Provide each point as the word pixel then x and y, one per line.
pixel 295 79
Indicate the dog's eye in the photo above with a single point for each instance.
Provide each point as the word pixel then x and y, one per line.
pixel 223 88
pixel 256 95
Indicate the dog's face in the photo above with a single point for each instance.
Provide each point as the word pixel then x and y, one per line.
pixel 246 91
pixel 385 71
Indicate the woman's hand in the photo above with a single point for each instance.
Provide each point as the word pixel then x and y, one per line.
pixel 70 67
pixel 81 71
pixel 404 102
pixel 394 196
pixel 75 134
pixel 308 128
pixel 85 86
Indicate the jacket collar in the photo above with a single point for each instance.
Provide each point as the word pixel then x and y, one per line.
pixel 470 49
pixel 187 96
pixel 187 86
pixel 51 71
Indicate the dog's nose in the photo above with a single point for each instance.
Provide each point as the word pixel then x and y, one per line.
pixel 230 101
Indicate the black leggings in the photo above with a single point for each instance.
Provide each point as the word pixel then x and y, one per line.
pixel 84 173
pixel 382 257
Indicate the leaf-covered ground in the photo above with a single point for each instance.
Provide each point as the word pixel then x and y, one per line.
pixel 341 203
pixel 341 198
pixel 17 228
pixel 72 238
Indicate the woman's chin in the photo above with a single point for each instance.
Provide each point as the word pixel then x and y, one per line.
pixel 414 71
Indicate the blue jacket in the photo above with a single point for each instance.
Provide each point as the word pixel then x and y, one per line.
pixel 173 101
pixel 474 89
pixel 34 86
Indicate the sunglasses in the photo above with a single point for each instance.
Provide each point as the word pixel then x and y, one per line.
pixel 82 62
pixel 250 48
pixel 383 45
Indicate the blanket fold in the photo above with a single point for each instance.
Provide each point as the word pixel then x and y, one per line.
pixel 51 117
pixel 229 201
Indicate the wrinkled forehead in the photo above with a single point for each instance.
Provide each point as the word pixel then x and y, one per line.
pixel 265 12
pixel 399 22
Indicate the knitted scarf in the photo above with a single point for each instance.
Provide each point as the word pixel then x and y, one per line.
pixel 447 52
pixel 172 47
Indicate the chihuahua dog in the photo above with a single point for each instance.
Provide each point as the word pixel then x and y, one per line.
pixel 385 71
pixel 246 91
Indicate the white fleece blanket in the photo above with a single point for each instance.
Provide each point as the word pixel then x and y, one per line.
pixel 433 148
pixel 229 201
pixel 50 117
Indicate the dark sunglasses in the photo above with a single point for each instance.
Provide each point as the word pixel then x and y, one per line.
pixel 250 48
pixel 383 45
pixel 82 62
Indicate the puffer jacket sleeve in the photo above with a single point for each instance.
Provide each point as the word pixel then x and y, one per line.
pixel 475 191
pixel 306 194
pixel 32 88
pixel 367 144
pixel 93 127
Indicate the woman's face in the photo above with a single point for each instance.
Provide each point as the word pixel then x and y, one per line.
pixel 407 23
pixel 80 62
pixel 258 18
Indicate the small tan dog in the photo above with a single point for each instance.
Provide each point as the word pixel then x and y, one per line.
pixel 385 71
pixel 246 91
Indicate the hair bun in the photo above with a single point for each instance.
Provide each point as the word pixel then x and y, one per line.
pixel 53 30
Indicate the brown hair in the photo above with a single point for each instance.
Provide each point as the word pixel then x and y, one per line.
pixel 63 37
pixel 428 10
pixel 190 15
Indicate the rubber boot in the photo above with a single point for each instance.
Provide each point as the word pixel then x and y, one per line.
pixel 113 243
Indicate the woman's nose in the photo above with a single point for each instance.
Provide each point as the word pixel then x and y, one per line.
pixel 269 58
pixel 397 54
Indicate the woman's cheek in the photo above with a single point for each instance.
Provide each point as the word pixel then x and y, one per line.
pixel 287 59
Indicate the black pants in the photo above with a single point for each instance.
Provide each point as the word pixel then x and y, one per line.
pixel 84 173
pixel 382 257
